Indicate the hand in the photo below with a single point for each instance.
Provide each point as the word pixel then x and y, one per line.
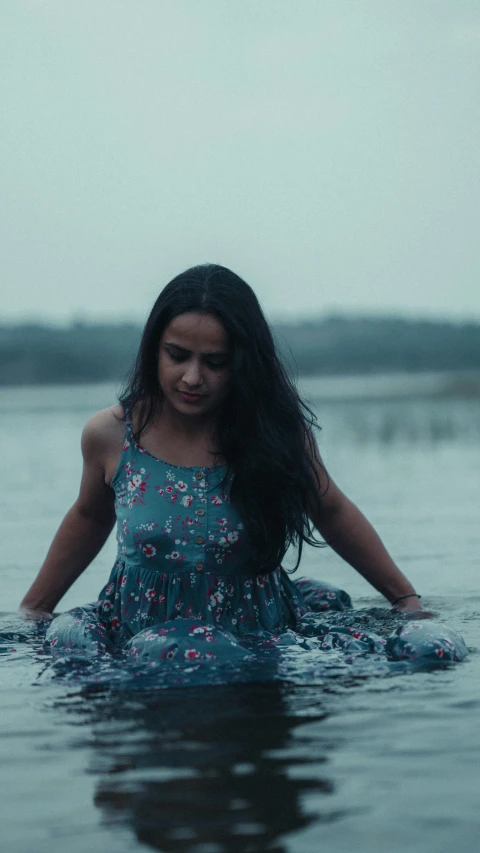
pixel 35 615
pixel 412 608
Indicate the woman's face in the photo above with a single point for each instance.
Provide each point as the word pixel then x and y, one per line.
pixel 194 364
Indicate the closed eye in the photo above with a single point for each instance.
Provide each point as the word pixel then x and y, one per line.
pixel 212 362
pixel 176 356
pixel 216 365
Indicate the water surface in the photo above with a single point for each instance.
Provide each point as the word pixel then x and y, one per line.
pixel 350 763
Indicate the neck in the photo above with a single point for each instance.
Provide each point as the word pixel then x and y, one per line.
pixel 187 427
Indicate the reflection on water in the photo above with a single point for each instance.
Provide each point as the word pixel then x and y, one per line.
pixel 194 771
pixel 392 421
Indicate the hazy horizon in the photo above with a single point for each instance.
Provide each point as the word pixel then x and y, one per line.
pixel 327 152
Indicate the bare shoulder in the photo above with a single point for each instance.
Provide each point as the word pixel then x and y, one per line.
pixel 104 433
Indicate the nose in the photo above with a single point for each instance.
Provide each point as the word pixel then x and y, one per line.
pixel 192 375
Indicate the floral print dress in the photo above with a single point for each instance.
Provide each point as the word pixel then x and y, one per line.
pixel 184 583
pixel 183 551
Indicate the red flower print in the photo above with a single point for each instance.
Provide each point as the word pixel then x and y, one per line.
pixel 181 486
pixel 192 654
pixel 216 500
pixel 107 605
pixel 149 550
pixel 169 489
pixel 150 593
pixel 123 581
pixel 161 598
pixel 439 653
pixel 116 623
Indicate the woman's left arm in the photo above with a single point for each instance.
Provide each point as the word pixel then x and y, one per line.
pixel 351 535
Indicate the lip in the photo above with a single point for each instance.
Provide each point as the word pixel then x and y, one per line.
pixel 190 398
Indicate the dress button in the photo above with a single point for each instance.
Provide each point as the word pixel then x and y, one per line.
pixel 199 567
pixel 199 540
pixel 200 512
pixel 199 475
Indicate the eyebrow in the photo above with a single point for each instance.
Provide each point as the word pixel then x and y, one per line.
pixel 217 353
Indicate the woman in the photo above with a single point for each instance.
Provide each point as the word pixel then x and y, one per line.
pixel 210 467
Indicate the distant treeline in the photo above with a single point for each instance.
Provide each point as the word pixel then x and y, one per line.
pixel 40 354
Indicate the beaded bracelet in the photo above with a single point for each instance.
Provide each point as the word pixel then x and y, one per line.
pixel 403 597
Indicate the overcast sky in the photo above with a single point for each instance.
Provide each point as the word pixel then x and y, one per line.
pixel 326 150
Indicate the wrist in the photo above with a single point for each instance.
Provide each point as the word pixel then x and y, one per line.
pixel 408 599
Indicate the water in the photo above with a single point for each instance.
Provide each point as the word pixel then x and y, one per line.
pixel 347 763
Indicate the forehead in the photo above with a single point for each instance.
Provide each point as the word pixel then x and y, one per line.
pixel 197 331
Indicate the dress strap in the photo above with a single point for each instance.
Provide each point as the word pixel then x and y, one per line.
pixel 128 425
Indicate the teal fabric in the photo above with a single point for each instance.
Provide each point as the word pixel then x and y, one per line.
pixel 183 551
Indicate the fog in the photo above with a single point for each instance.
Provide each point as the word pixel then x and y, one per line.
pixel 326 151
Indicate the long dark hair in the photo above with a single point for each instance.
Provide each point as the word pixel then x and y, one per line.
pixel 264 428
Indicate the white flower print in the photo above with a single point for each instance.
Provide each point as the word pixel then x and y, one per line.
pixel 181 486
pixel 233 536
pixel 150 593
pixel 216 598
pixel 187 500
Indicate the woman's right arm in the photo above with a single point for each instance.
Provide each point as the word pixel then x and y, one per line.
pixel 88 523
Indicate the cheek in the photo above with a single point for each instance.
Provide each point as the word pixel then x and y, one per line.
pixel 165 371
pixel 222 383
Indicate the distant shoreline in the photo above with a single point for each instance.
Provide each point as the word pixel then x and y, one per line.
pixel 331 347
